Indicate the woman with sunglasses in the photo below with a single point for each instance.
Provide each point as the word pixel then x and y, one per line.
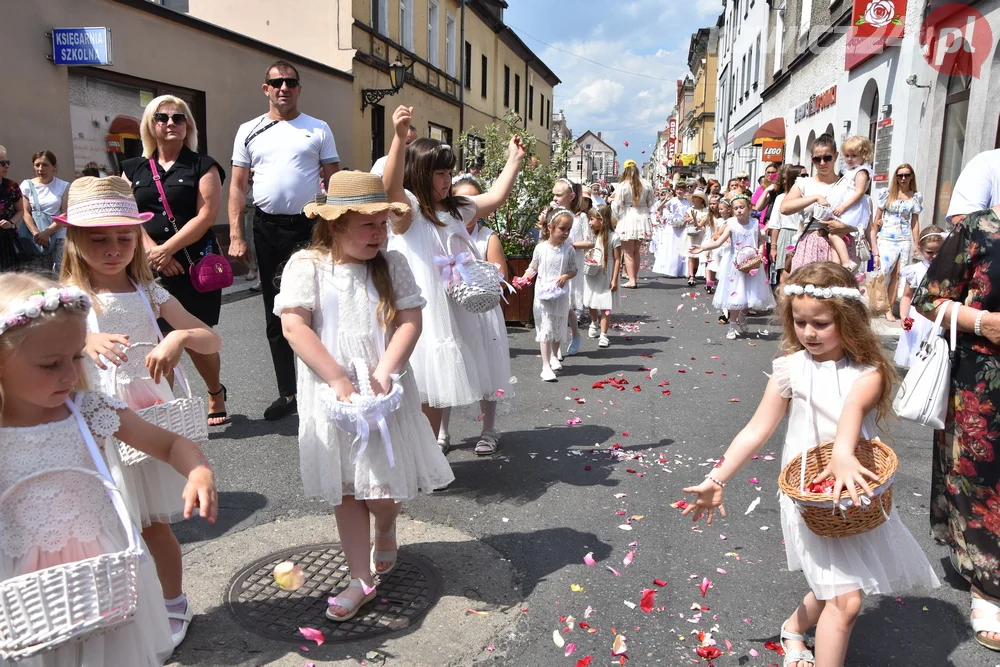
pixel 897 219
pixel 193 187
pixel 808 197
pixel 11 212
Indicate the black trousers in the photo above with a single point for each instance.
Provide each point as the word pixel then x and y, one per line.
pixel 276 238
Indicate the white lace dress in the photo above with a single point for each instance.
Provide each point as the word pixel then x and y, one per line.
pixel 581 232
pixel 633 215
pixel 883 561
pixel 673 241
pixel 909 341
pixel 459 358
pixel 66 517
pixel 326 454
pixel 859 215
pixel 152 488
pixel 552 315
pixel 738 290
pixel 597 292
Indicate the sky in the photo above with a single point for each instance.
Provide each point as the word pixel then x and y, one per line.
pixel 650 37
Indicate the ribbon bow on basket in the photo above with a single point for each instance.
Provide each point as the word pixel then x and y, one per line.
pixel 473 283
pixel 364 411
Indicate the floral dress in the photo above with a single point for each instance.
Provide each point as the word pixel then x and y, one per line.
pixel 895 235
pixel 965 473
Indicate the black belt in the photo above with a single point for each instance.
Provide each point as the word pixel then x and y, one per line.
pixel 270 217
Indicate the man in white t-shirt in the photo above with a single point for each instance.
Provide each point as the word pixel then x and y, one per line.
pixel 291 155
pixel 977 187
pixel 379 167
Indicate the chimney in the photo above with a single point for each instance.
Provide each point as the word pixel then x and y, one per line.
pixel 598 135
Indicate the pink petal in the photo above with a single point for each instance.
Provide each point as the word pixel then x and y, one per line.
pixel 753 480
pixel 705 584
pixel 589 559
pixel 616 572
pixel 313 635
pixel 569 649
pixel 628 558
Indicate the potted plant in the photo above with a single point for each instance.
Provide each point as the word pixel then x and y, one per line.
pixel 515 221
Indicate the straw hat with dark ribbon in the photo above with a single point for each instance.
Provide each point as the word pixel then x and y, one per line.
pixel 353 191
pixel 101 202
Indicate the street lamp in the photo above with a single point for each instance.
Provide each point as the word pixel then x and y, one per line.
pixel 397 77
pixel 701 157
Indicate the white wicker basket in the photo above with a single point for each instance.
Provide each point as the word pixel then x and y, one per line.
pixel 43 610
pixel 186 415
pixel 480 287
pixel 593 262
pixel 364 411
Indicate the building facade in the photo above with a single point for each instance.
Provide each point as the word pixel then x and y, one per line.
pixel 698 124
pixel 591 159
pixel 465 68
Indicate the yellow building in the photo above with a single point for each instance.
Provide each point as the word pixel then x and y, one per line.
pixel 465 67
pixel 697 124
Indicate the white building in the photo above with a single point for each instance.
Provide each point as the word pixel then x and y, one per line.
pixel 592 159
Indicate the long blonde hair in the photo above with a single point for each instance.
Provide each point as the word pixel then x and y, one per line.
pixel 894 185
pixel 76 271
pixel 631 174
pixel 15 287
pixel 853 322
pixel 324 243
pixel 146 125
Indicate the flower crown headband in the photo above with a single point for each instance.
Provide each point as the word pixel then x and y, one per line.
pixel 733 199
pixel 835 292
pixel 47 301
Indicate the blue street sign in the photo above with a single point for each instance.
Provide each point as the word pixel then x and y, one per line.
pixel 81 46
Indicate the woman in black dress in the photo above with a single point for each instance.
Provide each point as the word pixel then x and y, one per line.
pixel 193 185
pixel 11 212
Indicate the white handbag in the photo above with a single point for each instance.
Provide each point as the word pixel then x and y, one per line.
pixel 923 395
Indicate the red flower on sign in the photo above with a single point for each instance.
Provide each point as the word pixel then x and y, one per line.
pixel 880 13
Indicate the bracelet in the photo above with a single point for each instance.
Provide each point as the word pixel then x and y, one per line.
pixel 712 479
pixel 979 322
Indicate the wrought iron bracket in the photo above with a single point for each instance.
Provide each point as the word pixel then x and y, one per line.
pixel 371 96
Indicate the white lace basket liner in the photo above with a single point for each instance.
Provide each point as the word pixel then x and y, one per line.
pixel 473 283
pixel 365 411
pixel 593 262
pixel 43 610
pixel 747 259
pixel 186 415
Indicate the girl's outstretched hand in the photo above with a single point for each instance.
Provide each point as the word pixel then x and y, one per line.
pixel 847 473
pixel 402 117
pixel 200 493
pixel 709 497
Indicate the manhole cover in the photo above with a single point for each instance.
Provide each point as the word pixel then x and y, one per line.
pixel 257 602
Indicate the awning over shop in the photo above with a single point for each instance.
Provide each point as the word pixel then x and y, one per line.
pixel 772 130
pixel 121 128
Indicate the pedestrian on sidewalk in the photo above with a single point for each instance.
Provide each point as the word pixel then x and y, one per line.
pixel 632 200
pixel 835 384
pixel 601 295
pixel 352 313
pixel 553 266
pixel 451 363
pixel 105 258
pixel 291 154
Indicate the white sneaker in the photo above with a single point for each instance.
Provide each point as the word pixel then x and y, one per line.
pixel 733 333
pixel 603 341
pixel 548 375
pixel 593 331
pixel 555 365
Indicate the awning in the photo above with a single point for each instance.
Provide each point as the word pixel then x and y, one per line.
pixel 772 130
pixel 121 128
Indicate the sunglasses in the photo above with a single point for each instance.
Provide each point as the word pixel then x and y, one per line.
pixel 4 163
pixel 291 82
pixel 900 175
pixel 163 118
pixel 817 159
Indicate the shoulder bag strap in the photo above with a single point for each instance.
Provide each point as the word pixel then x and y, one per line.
pixel 253 135
pixel 155 169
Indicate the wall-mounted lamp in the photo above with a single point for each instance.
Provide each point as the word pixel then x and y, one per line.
pixel 847 127
pixel 397 77
pixel 886 111
pixel 912 81
pixel 701 157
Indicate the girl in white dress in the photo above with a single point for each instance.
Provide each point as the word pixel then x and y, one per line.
pixel 552 267
pixel 633 199
pixel 696 221
pixel 569 195
pixel 916 327
pixel 672 247
pixel 740 291
pixel 847 197
pixel 453 363
pixel 600 294
pixel 498 350
pixel 62 518
pixel 834 387
pixel 342 300
pixel 105 258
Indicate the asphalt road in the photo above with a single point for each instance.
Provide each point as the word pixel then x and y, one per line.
pixel 556 493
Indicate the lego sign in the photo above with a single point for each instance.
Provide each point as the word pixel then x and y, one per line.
pixel 956 40
pixel 773 151
pixel 875 25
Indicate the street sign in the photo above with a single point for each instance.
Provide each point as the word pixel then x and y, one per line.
pixel 81 46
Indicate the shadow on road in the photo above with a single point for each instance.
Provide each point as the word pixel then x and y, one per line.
pixel 234 508
pixel 540 553
pixel 241 427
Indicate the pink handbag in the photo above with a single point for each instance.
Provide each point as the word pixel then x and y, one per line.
pixel 212 272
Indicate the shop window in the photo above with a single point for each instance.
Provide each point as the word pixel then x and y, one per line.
pixel 378 132
pixel 956 115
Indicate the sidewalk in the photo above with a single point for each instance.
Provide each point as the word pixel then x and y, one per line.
pixel 473 576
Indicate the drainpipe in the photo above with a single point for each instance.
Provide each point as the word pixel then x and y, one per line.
pixel 461 82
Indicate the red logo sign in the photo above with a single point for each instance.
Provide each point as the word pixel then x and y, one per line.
pixel 875 25
pixel 956 40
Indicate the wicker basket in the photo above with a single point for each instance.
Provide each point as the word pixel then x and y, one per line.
pixel 818 509
pixel 480 287
pixel 186 416
pixel 46 609
pixel 593 262
pixel 747 259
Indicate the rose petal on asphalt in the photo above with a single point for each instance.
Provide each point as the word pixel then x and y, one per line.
pixel 313 634
pixel 557 639
pixel 704 586
pixel 753 506
pixel 628 558
pixel 648 599
pixel 589 559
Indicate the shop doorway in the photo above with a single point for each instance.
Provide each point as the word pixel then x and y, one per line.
pixel 954 124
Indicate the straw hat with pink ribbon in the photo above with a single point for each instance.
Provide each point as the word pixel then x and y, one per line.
pixel 101 202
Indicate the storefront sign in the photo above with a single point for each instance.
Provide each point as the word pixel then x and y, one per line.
pixel 956 39
pixel 672 140
pixel 816 104
pixel 883 150
pixel 773 151
pixel 687 159
pixel 875 25
pixel 81 46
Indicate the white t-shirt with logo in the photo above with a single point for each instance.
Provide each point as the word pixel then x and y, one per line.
pixel 50 198
pixel 285 159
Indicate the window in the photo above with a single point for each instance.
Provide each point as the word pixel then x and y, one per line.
pixel 742 75
pixel 805 20
pixel 433 39
pixel 506 86
pixel 756 65
pixel 579 165
pixel 475 151
pixel 779 38
pixel 378 132
pixel 485 70
pixel 531 102
pixel 517 93
pixel 541 109
pixel 449 44
pixel 548 115
pixel 956 114
pixel 380 16
pixel 439 133
pixel 468 66
pixel 406 24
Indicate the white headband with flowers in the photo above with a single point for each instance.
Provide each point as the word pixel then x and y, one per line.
pixel 22 312
pixel 835 292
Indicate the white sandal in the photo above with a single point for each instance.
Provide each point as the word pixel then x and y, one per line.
pixel 347 603
pixel 445 444
pixel 185 617
pixel 487 445
pixel 988 622
pixel 384 556
pixel 793 657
